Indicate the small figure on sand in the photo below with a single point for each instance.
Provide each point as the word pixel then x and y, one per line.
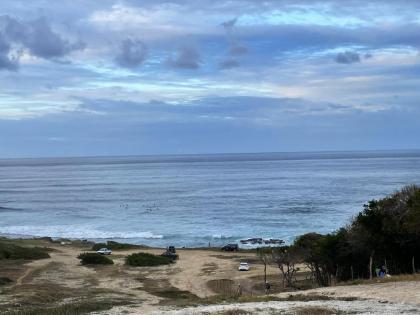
pixel 381 272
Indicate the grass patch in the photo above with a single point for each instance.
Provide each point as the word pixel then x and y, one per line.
pixel 219 299
pixel 316 310
pixel 94 259
pixel 9 250
pixel 172 295
pixel 223 287
pixel 393 278
pixel 5 280
pixel 233 312
pixel 116 246
pixel 70 309
pixel 146 259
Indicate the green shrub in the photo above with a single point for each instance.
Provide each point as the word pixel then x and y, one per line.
pixel 12 251
pixel 145 259
pixel 94 259
pixel 116 246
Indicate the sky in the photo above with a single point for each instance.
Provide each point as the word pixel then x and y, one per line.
pixel 126 77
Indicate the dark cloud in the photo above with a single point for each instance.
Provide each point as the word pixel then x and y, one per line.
pixel 43 42
pixel 132 53
pixel 347 57
pixel 35 36
pixel 237 49
pixel 228 25
pixel 185 58
pixel 229 64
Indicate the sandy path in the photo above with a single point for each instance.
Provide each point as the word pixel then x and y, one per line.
pixel 198 267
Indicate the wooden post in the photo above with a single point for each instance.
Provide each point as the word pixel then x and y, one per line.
pixel 413 265
pixel 265 272
pixel 352 274
pixel 371 265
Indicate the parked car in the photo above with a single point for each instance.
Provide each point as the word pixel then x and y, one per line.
pixel 230 248
pixel 170 253
pixel 104 251
pixel 243 266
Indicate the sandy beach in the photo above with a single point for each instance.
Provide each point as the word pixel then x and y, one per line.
pixel 184 287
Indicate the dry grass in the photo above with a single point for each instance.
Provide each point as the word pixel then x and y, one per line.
pixel 77 308
pixel 209 269
pixel 233 312
pixel 12 269
pixel 30 298
pixel 223 287
pixel 171 295
pixel 394 278
pixel 316 310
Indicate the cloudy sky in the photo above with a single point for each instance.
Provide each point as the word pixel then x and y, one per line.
pixel 108 77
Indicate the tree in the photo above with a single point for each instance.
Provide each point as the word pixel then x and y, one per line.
pixel 310 247
pixel 264 254
pixel 286 258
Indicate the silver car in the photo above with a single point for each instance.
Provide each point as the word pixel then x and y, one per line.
pixel 243 266
pixel 104 251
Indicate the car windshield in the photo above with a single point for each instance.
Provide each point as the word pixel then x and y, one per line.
pixel 244 263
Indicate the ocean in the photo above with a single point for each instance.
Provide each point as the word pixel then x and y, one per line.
pixel 194 200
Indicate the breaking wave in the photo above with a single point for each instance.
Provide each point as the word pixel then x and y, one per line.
pixel 74 232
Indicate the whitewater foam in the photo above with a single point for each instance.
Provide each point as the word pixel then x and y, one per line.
pixel 74 232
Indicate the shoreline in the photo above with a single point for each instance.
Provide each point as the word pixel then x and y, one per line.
pixel 218 245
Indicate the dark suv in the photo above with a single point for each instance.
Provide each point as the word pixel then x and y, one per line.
pixel 230 248
pixel 170 253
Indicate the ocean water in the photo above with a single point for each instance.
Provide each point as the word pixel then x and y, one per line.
pixel 194 200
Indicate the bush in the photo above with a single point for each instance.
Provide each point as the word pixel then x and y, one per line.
pixel 145 259
pixel 116 246
pixel 94 259
pixel 11 251
pixel 385 233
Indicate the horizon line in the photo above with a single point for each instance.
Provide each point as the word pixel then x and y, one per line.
pixel 208 154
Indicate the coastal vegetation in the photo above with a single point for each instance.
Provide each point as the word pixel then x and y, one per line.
pixel 77 308
pixel 146 259
pixel 385 234
pixel 8 250
pixel 94 259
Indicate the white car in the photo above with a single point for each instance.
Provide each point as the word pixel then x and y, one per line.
pixel 104 251
pixel 243 266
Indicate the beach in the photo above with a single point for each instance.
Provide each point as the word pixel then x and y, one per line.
pixel 192 285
